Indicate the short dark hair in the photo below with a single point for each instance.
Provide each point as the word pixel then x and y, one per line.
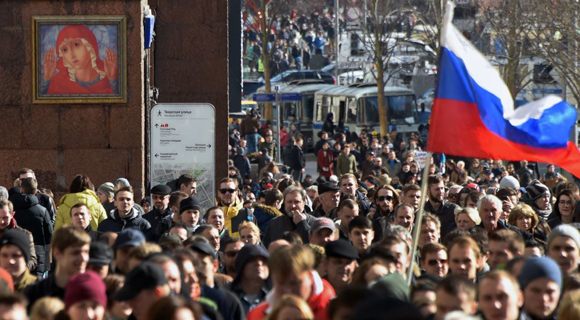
pixel 360 222
pixel 434 179
pixel 185 179
pixel 78 205
pixel 29 185
pixel 272 195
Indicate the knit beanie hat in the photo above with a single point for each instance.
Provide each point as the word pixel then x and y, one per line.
pixel 189 203
pixel 107 188
pixel 85 286
pixel 509 182
pixel 539 267
pixel 565 230
pixel 536 189
pixel 247 254
pixel 19 239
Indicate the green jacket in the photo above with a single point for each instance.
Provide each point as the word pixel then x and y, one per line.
pixel 89 198
pixel 345 164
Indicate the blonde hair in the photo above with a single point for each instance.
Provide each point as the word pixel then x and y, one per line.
pixel 569 308
pixel 523 210
pixel 290 260
pixel 250 225
pixel 46 308
pixel 291 301
pixel 92 54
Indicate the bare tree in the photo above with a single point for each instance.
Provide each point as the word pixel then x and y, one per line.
pixel 554 35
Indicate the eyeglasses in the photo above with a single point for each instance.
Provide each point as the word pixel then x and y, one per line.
pixel 434 262
pixel 227 190
pixel 383 198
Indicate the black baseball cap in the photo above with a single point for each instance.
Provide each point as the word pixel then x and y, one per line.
pixel 145 276
pixel 100 254
pixel 161 189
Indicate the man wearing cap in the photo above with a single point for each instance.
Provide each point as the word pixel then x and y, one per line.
pixel 7 222
pixel 329 197
pixel 564 248
pixel 159 213
pixel 439 206
pixel 144 285
pixel 251 283
pixel 70 249
pixel 14 256
pixel 125 215
pixel 340 263
pixel 540 280
pixel 126 240
pixel 207 265
pixel 85 294
pixel 322 231
pixel 100 257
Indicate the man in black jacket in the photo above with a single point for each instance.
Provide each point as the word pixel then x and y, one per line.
pixel 161 210
pixel 439 206
pixel 125 215
pixel 296 160
pixel 43 199
pixel 30 215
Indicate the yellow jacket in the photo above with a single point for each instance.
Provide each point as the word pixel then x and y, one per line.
pixel 230 212
pixel 89 198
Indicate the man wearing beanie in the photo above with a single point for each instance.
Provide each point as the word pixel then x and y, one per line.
pixel 85 294
pixel 564 248
pixel 14 256
pixel 106 194
pixel 251 283
pixel 7 222
pixel 541 282
pixel 159 212
pixel 189 213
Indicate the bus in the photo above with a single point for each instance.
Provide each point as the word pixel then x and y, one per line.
pixel 355 108
pixel 300 110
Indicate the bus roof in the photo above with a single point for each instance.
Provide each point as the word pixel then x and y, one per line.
pixel 359 92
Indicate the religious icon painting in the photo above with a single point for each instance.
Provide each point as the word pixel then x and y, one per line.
pixel 79 59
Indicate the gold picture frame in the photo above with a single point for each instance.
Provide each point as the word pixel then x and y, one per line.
pixel 79 59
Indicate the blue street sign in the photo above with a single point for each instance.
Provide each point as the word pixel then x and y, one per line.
pixel 290 97
pixel 264 97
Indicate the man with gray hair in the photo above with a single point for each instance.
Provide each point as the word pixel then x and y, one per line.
pixel 490 209
pixel 294 219
pixel 3 193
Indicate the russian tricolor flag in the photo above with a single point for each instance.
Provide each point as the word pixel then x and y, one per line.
pixel 474 116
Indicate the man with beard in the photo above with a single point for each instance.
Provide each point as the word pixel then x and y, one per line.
pixel 329 198
pixel 70 249
pixel 161 210
pixel 384 201
pixel 229 201
pixel 340 263
pixel 438 204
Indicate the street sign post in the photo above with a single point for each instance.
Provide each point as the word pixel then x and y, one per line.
pixel 183 142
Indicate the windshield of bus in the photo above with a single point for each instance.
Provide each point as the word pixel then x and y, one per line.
pixel 400 107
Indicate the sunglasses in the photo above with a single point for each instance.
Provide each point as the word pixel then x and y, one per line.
pixel 227 190
pixel 383 198
pixel 434 262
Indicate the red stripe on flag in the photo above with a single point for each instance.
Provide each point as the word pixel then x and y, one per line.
pixel 457 129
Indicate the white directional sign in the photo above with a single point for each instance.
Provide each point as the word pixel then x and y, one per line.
pixel 183 142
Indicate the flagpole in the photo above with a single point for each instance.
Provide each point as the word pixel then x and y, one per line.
pixel 419 216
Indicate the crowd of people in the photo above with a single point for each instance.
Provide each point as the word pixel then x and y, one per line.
pixel 496 241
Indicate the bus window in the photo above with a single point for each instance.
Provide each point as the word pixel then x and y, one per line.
pixel 290 111
pixel 351 111
pixel 401 107
pixel 371 110
pixel 307 108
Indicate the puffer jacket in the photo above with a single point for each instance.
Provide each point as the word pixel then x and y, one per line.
pixel 89 198
pixel 134 220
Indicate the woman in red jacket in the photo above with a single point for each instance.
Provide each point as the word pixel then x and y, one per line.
pixel 325 161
